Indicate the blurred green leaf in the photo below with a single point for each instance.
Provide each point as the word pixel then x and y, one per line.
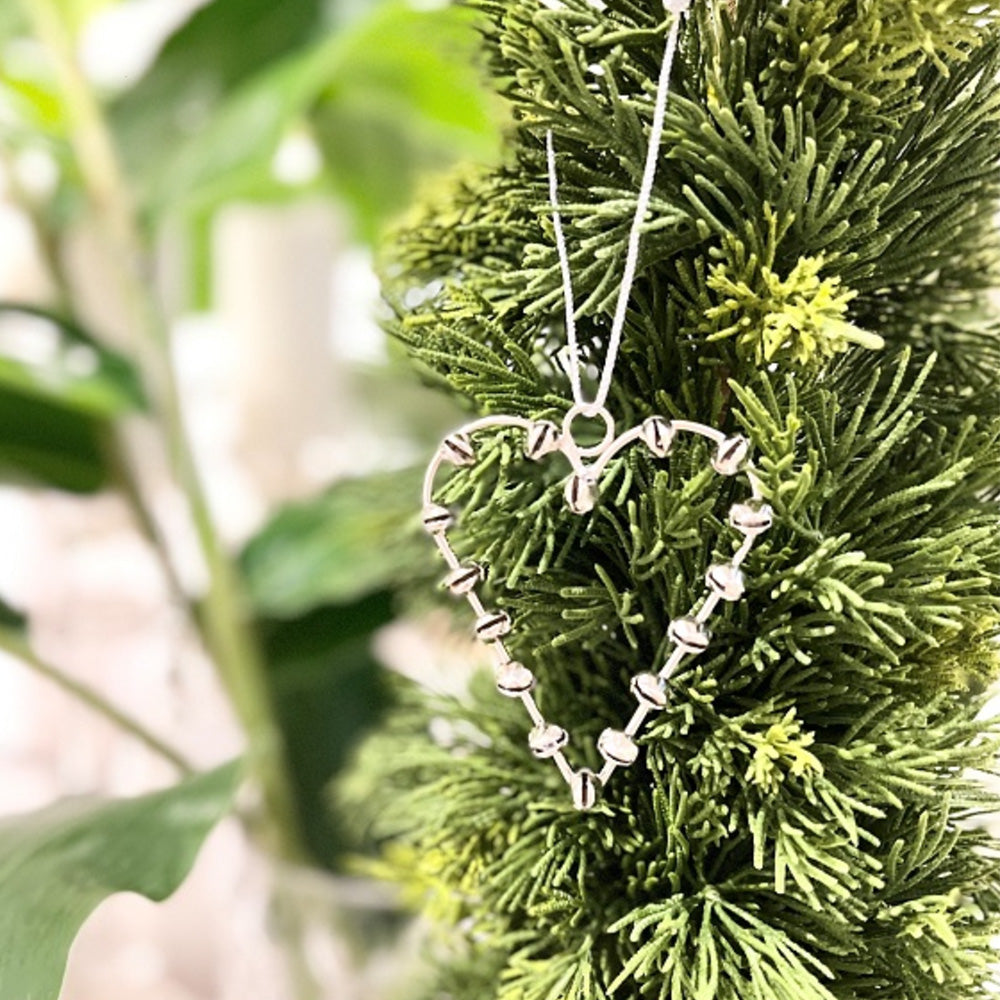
pixel 57 865
pixel 406 98
pixel 222 45
pixel 322 574
pixel 59 390
pixel 327 690
pixel 353 539
pixel 230 157
pixel 393 95
pixel 50 444
pixel 12 622
pixel 48 356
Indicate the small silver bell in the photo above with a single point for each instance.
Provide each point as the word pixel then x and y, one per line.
pixel 437 519
pixel 658 433
pixel 751 519
pixel 649 691
pixel 585 787
pixel 457 448
pixel 542 439
pixel 465 579
pixel 514 679
pixel 726 580
pixel 492 625
pixel 689 635
pixel 547 740
pixel 731 455
pixel 581 494
pixel 617 747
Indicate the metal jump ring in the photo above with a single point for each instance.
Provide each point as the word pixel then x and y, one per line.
pixel 591 411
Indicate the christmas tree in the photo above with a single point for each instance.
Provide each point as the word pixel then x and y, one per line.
pixel 804 821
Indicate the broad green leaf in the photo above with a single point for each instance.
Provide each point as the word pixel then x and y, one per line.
pixel 355 538
pixel 45 443
pixel 222 45
pixel 230 156
pixel 407 98
pixel 59 390
pixel 57 865
pixel 321 574
pixel 390 96
pixel 327 690
pixel 54 359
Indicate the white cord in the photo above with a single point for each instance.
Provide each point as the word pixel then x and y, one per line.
pixel 677 8
pixel 567 282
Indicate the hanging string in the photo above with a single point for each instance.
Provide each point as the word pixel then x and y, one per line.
pixel 677 8
pixel 567 282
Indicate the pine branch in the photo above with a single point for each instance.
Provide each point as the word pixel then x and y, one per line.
pixel 815 267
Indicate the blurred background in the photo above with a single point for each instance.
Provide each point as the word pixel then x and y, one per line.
pixel 224 171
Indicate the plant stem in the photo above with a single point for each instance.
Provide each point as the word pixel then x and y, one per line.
pixel 20 650
pixel 233 648
pixel 126 482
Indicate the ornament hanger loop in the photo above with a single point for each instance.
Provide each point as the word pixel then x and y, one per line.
pixel 590 411
pixel 677 8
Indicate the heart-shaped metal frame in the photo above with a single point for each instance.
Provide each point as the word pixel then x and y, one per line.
pixel 689 635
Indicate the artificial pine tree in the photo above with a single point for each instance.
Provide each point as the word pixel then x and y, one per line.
pixel 815 272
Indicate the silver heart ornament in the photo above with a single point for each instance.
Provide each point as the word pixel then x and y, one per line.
pixel 689 635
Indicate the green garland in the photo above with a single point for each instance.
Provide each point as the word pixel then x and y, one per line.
pixel 803 823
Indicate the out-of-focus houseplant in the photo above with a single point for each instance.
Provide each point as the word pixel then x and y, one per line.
pixel 369 97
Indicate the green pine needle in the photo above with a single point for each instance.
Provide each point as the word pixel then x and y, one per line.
pixel 804 822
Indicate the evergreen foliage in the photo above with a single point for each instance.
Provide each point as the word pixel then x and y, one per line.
pixel 804 821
